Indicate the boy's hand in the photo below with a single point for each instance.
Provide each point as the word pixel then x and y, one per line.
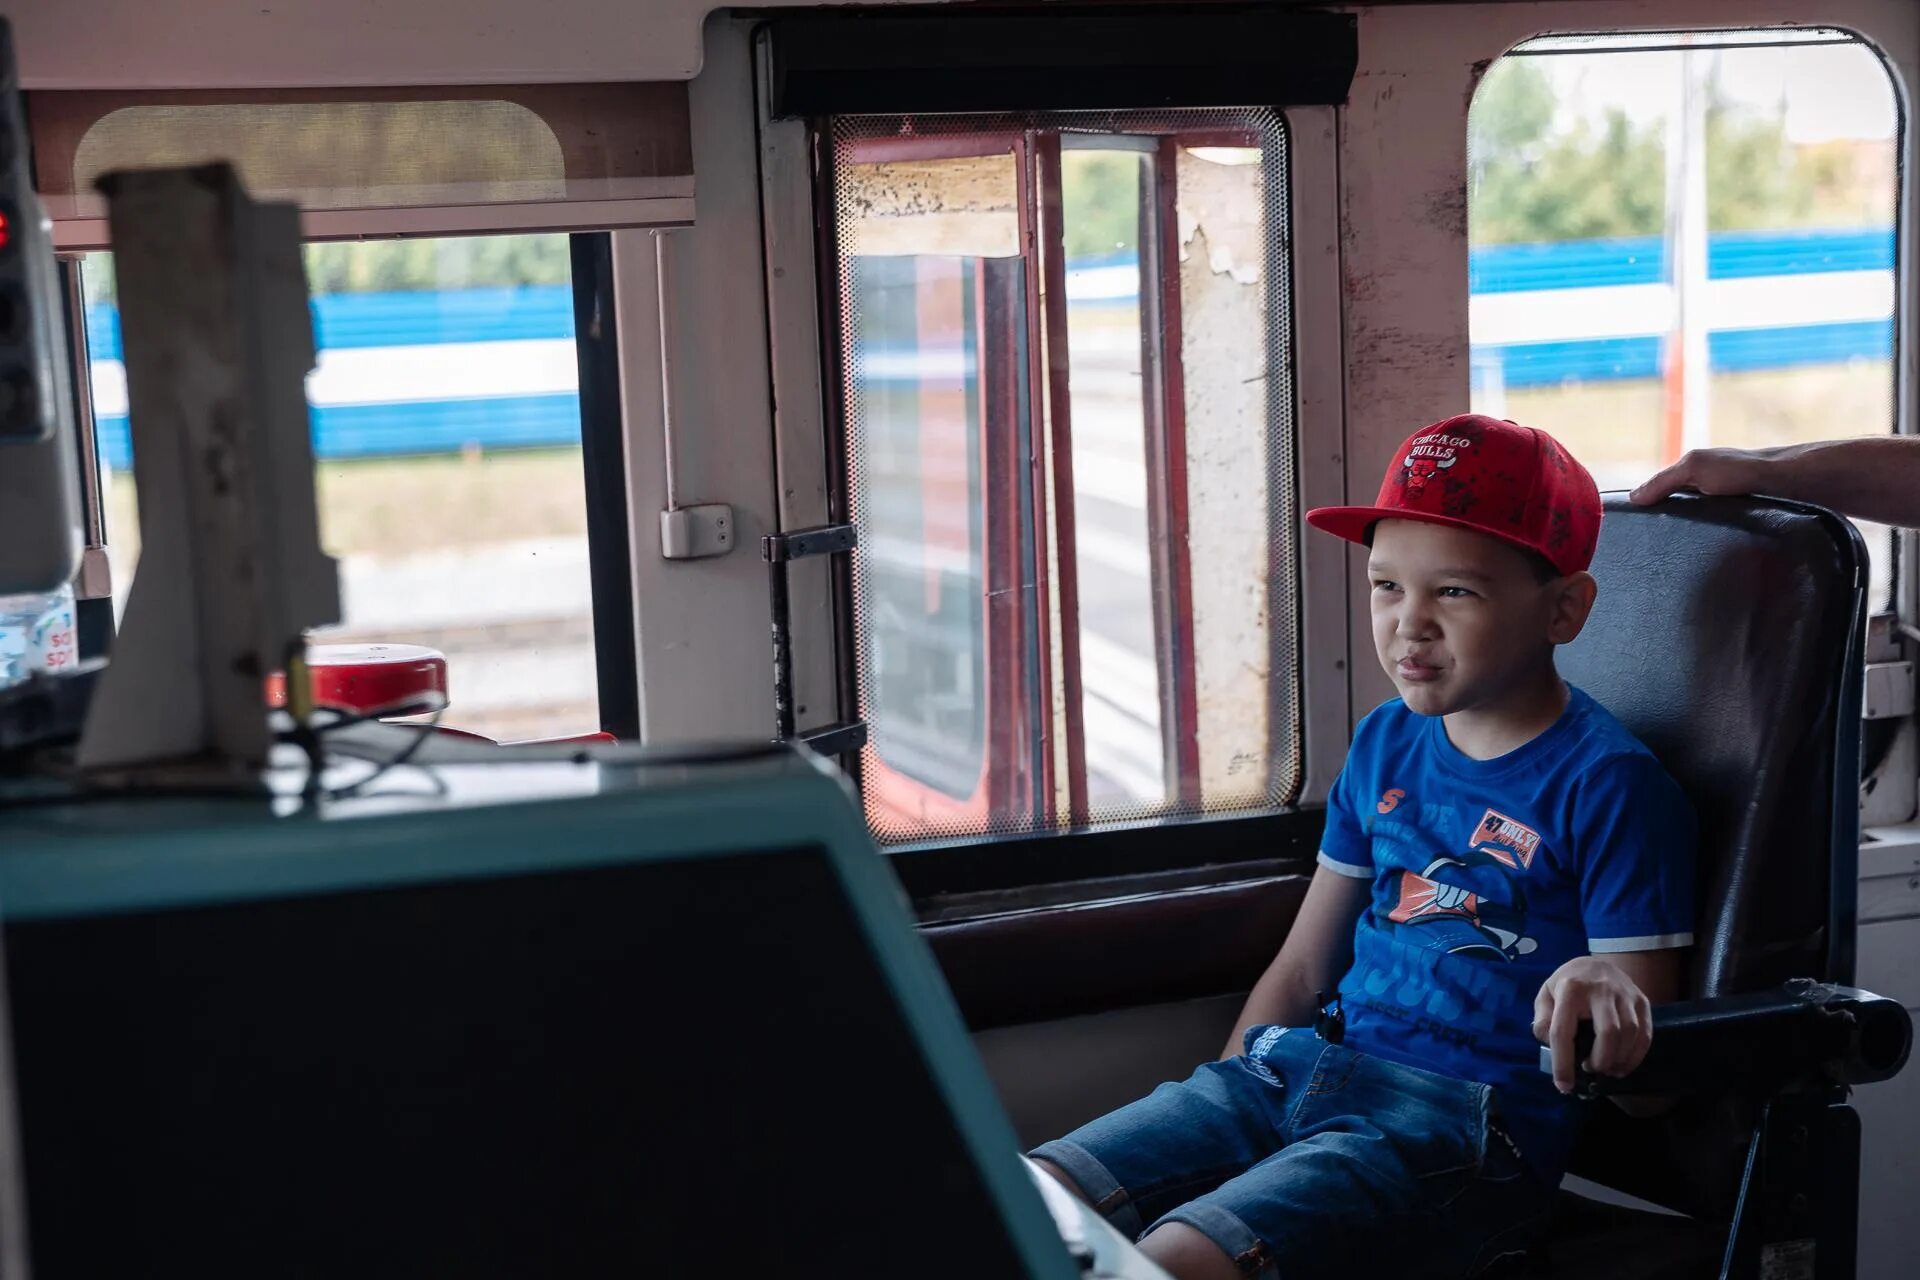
pixel 1592 989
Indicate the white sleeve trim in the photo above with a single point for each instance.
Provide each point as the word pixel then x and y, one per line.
pixel 1331 863
pixel 1646 942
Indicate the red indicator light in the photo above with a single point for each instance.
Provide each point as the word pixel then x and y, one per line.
pixel 6 229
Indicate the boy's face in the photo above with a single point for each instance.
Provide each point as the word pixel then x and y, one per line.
pixel 1461 621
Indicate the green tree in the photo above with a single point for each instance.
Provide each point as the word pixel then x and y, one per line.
pixel 374 266
pixel 1532 181
pixel 1100 198
pixel 1534 175
pixel 1754 178
pixel 1512 113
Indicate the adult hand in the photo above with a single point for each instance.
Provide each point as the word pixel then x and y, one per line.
pixel 1593 989
pixel 1706 471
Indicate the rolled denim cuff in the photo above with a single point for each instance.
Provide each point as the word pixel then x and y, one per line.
pixel 1233 1237
pixel 1109 1199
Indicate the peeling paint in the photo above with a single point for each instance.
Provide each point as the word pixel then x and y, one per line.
pixel 1219 256
pixel 960 205
pixel 1220 205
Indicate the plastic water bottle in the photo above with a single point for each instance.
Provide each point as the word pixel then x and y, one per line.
pixel 37 635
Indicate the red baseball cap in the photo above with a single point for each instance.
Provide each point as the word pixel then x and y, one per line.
pixel 1475 472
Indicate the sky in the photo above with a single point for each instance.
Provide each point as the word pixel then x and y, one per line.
pixel 1830 91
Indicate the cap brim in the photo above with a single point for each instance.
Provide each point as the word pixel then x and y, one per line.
pixel 1352 524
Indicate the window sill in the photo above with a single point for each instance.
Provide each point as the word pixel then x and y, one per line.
pixel 1040 963
pixel 1010 873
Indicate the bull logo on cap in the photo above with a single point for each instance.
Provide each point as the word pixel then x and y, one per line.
pixel 1429 456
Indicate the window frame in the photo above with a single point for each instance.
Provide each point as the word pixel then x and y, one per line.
pixel 603 466
pixel 1321 706
pixel 93 590
pixel 596 336
pixel 1016 872
pixel 1896 754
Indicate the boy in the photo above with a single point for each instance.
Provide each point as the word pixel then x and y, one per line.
pixel 1502 861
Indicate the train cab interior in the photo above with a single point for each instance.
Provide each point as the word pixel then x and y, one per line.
pixel 647 637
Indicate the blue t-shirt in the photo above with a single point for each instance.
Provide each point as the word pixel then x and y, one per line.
pixel 1487 876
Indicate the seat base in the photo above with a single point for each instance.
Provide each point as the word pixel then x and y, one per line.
pixel 1592 1239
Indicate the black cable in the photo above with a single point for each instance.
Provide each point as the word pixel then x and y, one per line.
pixel 309 737
pixel 426 731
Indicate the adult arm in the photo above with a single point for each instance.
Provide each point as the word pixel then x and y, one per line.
pixel 1877 478
pixel 1616 993
pixel 1318 950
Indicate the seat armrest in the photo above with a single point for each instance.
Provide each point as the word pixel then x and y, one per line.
pixel 1759 1043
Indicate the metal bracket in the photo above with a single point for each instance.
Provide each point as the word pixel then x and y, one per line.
pixel 696 533
pixel 837 739
pixel 1888 694
pixel 821 540
pixel 96 576
pixel 778 549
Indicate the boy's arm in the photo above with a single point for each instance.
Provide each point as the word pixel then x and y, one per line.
pixel 1616 993
pixel 1318 950
pixel 1636 852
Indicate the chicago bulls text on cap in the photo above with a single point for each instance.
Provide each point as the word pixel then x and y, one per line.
pixel 1513 482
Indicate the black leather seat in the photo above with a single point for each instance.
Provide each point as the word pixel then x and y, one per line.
pixel 1728 636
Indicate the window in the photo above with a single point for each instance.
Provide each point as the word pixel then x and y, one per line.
pixel 1686 240
pixel 359 161
pixel 1069 437
pixel 447 443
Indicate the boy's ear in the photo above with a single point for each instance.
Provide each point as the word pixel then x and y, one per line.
pixel 1572 602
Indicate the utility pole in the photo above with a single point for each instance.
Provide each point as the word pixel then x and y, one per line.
pixel 1686 364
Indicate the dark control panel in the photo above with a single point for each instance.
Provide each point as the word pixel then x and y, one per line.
pixel 31 325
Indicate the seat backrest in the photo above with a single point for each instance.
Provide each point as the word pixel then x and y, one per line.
pixel 1728 636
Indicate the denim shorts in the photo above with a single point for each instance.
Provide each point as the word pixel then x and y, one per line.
pixel 1303 1159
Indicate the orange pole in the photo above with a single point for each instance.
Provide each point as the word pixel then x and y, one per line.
pixel 1674 398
